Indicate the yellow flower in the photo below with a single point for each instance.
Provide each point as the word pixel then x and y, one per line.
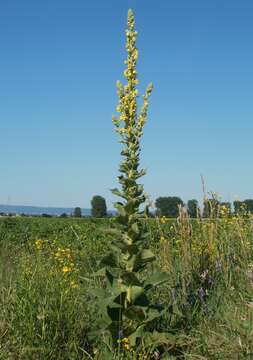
pixel 66 269
pixel 38 244
pixel 73 285
pixel 162 239
pixel 124 342
pixel 130 173
pixel 163 220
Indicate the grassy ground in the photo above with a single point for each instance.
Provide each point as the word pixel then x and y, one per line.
pixel 46 305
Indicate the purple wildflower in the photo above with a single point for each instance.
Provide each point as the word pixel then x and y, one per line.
pixel 201 293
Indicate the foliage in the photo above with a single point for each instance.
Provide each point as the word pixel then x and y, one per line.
pixel 249 205
pixel 168 206
pixel 98 206
pixel 77 212
pixel 193 208
pixel 225 207
pixel 47 313
pixel 211 208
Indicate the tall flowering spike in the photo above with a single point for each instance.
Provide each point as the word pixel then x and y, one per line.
pixel 129 124
pixel 124 305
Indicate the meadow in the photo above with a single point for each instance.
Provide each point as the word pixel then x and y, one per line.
pixel 47 306
pixel 130 286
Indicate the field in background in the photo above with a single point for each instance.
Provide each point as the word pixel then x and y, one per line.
pixel 46 304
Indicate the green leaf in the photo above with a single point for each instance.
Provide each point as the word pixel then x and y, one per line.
pixel 159 338
pixel 138 333
pixel 110 260
pixel 130 278
pixel 117 192
pixel 135 228
pixel 144 257
pixel 120 208
pixel 156 279
pixel 136 313
pixel 133 292
pixel 114 312
pixel 153 314
pixel 100 272
pixel 109 277
pixel 100 293
pixel 147 256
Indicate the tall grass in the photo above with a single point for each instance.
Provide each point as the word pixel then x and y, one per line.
pixel 44 292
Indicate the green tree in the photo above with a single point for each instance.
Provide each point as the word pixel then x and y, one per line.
pixel 249 205
pixel 77 212
pixel 239 206
pixel 98 206
pixel 193 208
pixel 168 206
pixel 63 215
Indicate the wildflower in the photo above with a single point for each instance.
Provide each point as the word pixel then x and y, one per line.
pixel 163 220
pixel 124 342
pixel 162 239
pixel 204 274
pixel 201 293
pixel 66 269
pixel 73 285
pixel 40 316
pixel 39 244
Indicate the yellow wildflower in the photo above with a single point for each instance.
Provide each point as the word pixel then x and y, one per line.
pixel 66 269
pixel 39 244
pixel 163 220
pixel 124 342
pixel 73 285
pixel 162 239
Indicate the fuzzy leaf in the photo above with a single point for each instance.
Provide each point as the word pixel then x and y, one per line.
pixel 133 293
pixel 130 278
pixel 120 208
pixel 156 279
pixel 117 192
pixel 110 260
pixel 138 333
pixel 135 313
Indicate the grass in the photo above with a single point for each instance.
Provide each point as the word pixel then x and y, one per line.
pixel 46 303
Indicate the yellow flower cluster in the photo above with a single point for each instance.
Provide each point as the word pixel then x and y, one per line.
pixel 62 254
pixel 65 258
pixel 66 269
pixel 124 342
pixel 39 244
pixel 162 239
pixel 163 220
pixel 74 285
pixel 131 129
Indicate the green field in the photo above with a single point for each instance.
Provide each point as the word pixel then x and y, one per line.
pixel 46 274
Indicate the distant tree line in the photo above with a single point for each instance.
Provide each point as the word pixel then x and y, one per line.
pixel 169 206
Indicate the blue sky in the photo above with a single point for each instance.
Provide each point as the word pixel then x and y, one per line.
pixel 58 67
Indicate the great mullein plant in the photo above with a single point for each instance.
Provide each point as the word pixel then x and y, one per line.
pixel 127 317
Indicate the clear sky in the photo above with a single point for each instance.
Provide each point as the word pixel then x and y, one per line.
pixel 59 63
